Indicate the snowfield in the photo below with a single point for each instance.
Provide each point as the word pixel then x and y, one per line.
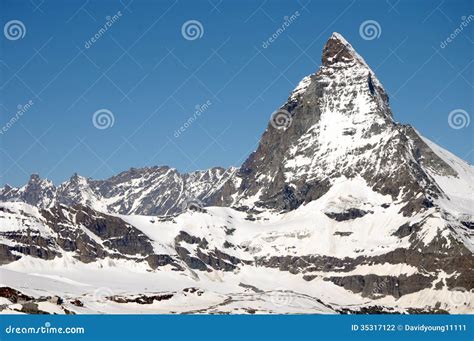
pixel 250 288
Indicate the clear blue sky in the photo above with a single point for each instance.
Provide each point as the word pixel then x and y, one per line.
pixel 151 78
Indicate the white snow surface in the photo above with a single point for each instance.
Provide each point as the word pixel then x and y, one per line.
pixel 459 189
pixel 304 231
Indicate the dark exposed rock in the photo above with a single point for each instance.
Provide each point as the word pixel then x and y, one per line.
pixel 373 286
pixel 6 255
pixel 367 310
pixel 117 236
pixel 115 232
pixel 187 238
pixel 384 310
pixel 192 262
pixel 193 290
pixel 342 234
pixel 455 259
pixel 426 311
pixel 218 260
pixel 14 295
pixel 156 261
pixel 349 214
pixel 229 231
pixel 141 299
pixel 425 155
pixel 335 51
pixel 32 308
pixel 77 303
pixel 251 287
pixel 250 217
pixel 215 259
pixel 29 243
pixel 371 85
pixel 227 245
pixel 308 263
pixel 406 230
pixel 68 312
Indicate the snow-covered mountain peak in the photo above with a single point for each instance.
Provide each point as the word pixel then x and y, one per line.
pixel 343 68
pixel 341 61
pixel 338 124
pixel 36 180
pixel 38 192
pixel 339 50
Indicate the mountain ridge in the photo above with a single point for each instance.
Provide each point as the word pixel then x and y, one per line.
pixel 365 97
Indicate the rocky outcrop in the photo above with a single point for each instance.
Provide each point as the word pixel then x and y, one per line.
pixel 374 286
pixel 349 214
pixel 204 258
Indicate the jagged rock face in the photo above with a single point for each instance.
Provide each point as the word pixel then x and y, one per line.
pixel 341 125
pixel 150 191
pixel 157 190
pixel 90 235
pixel 37 192
pixel 77 191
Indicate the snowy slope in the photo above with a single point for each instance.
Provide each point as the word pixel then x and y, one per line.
pixel 302 235
pixel 459 189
